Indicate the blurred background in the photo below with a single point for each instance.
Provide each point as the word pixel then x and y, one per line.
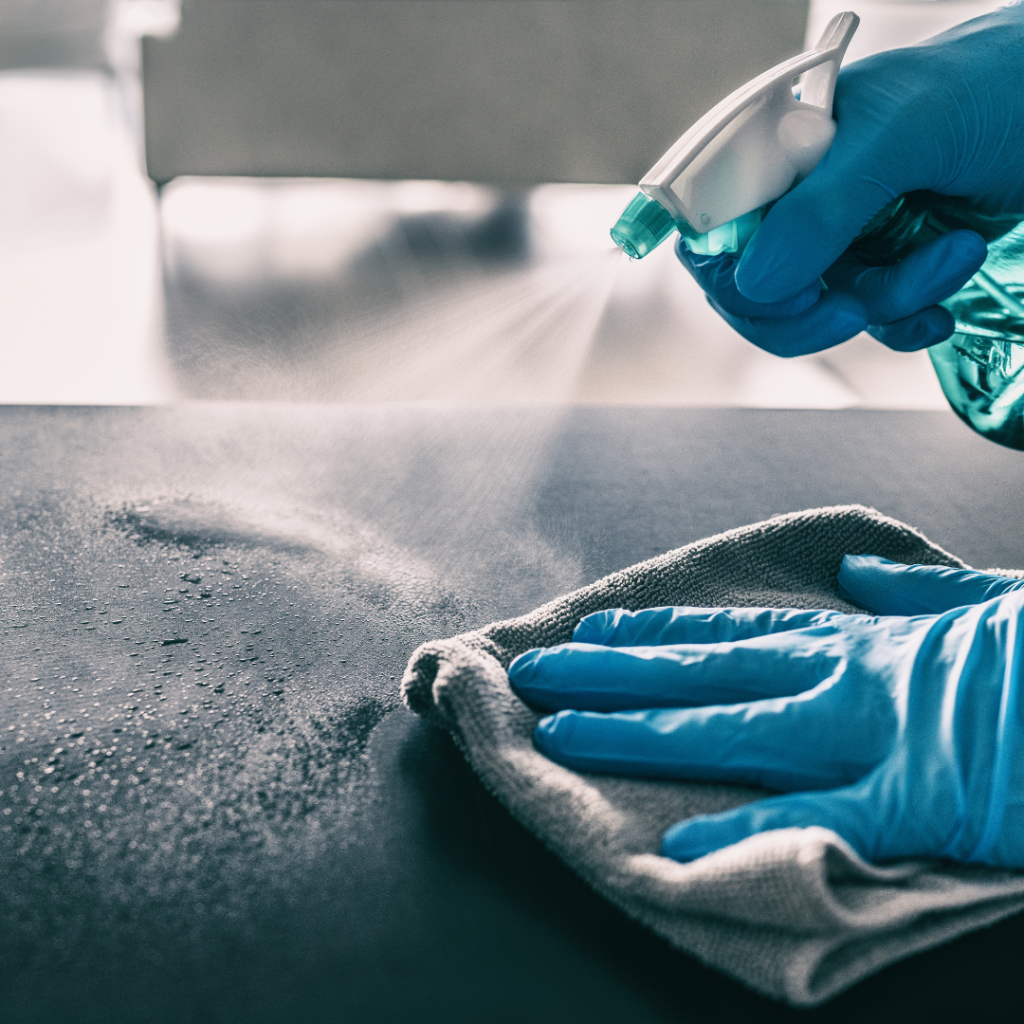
pixel 374 200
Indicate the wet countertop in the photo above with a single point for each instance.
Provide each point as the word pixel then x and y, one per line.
pixel 213 806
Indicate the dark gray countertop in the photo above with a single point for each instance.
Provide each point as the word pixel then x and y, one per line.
pixel 213 806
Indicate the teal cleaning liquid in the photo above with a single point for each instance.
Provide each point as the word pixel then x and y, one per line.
pixel 981 367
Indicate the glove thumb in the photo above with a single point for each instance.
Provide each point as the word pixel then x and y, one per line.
pixel 875 157
pixel 809 228
pixel 890 588
pixel 849 812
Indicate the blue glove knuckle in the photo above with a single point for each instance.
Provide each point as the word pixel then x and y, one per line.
pixel 554 733
pixel 597 627
pixel 524 668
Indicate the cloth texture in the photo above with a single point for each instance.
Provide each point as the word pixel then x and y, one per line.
pixel 794 914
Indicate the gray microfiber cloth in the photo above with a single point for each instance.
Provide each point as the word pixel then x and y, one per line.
pixel 794 913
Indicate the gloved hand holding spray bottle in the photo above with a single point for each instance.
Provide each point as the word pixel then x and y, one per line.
pixel 925 166
pixel 901 729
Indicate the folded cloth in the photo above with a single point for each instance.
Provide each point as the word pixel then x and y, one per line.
pixel 794 913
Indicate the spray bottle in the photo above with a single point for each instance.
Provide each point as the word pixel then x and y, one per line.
pixel 716 183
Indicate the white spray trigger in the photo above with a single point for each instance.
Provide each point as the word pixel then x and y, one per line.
pixel 757 143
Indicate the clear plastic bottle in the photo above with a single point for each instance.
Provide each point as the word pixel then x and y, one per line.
pixel 981 367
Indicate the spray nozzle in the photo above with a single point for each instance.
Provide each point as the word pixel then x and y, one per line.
pixel 745 153
pixel 643 226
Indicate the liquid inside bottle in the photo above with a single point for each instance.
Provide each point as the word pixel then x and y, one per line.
pixel 981 367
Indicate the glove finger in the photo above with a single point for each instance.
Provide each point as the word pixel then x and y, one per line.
pixel 849 812
pixel 595 678
pixel 789 743
pixel 924 278
pixel 834 318
pixel 716 275
pixel 617 627
pixel 891 588
pixel 922 330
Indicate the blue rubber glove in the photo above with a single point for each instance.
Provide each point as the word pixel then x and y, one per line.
pixel 903 732
pixel 945 116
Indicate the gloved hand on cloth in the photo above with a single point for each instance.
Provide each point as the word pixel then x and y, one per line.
pixel 901 729
pixel 946 116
